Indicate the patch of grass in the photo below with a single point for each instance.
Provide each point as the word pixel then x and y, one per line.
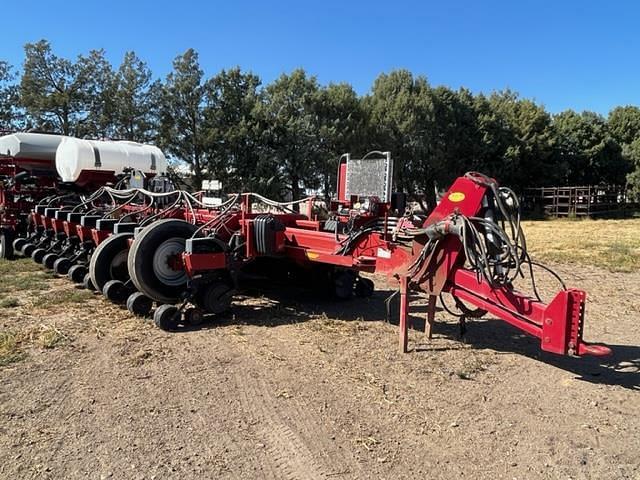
pixel 19 280
pixel 49 337
pixel 611 244
pixel 62 298
pixel 13 343
pixel 9 302
pixel 8 267
pixel 10 348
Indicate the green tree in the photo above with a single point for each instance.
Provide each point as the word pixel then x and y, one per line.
pixel 99 90
pixel 588 153
pixel 341 129
pixel 51 90
pixel 631 153
pixel 289 125
pixel 182 131
pixel 136 97
pixel 624 124
pixel 524 144
pixel 10 116
pixel 232 130
pixel 456 143
pixel 400 112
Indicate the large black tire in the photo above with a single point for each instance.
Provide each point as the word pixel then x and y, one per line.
pixel 344 281
pixel 38 255
pixel 76 273
pixel 27 249
pixel 49 260
pixel 109 261
pixel 18 243
pixel 116 291
pixel 364 287
pixel 216 298
pixel 87 283
pixel 6 244
pixel 167 317
pixel 139 304
pixel 62 265
pixel 153 257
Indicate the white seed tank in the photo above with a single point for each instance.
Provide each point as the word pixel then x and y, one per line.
pixel 80 161
pixel 31 150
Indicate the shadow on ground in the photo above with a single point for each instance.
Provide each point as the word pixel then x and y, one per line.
pixel 285 306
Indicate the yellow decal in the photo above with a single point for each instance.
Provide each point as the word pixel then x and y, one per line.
pixel 312 255
pixel 456 197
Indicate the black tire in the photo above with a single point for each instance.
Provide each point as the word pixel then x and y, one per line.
pixel 87 283
pixel 62 265
pixel 150 259
pixel 109 261
pixel 6 244
pixel 116 291
pixel 343 283
pixel 49 260
pixel 18 243
pixel 364 287
pixel 38 255
pixel 77 273
pixel 194 316
pixel 27 249
pixel 139 304
pixel 216 298
pixel 167 317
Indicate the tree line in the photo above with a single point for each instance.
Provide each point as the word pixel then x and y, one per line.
pixel 284 137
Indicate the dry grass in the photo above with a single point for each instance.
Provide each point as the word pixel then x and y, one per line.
pixel 10 348
pixel 63 297
pixel 9 302
pixel 14 344
pixel 612 244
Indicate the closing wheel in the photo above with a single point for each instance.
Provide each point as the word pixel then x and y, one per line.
pixel 139 304
pixel 38 255
pixel 49 259
pixel 343 283
pixel 62 265
pixel 364 287
pixel 155 260
pixel 18 243
pixel 116 291
pixel 27 249
pixel 76 273
pixel 87 283
pixel 6 245
pixel 167 317
pixel 109 260
pixel 216 297
pixel 194 316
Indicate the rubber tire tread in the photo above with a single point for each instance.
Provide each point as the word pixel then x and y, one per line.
pixel 140 260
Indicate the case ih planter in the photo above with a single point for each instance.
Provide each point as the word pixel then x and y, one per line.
pixel 55 171
pixel 190 258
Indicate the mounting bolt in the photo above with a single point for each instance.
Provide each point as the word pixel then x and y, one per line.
pixel 548 321
pixel 547 339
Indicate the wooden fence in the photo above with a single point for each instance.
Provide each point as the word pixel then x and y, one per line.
pixel 589 201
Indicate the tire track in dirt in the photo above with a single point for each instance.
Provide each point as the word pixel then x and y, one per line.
pixel 287 453
pixel 198 353
pixel 297 441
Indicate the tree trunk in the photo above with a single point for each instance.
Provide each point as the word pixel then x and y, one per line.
pixel 295 191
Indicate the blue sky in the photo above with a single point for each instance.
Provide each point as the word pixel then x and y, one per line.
pixel 564 54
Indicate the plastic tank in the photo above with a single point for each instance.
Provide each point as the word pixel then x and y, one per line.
pixel 85 161
pixel 31 150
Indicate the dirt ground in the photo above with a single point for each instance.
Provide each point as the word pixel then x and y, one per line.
pixel 292 387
